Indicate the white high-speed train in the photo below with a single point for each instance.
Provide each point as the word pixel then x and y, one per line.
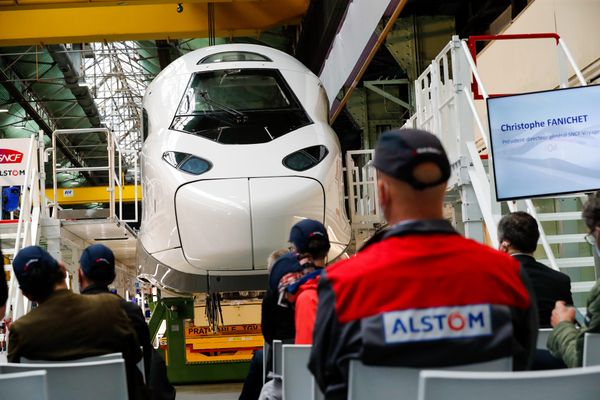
pixel 237 149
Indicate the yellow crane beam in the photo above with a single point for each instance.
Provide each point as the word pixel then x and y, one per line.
pixel 31 22
pixel 95 194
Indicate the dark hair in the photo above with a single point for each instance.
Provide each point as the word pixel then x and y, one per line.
pixel 591 211
pixel 520 230
pixel 101 277
pixel 317 246
pixel 40 281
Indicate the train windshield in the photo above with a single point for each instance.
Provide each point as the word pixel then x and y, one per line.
pixel 239 106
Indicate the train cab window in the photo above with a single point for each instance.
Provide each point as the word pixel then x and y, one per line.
pixel 239 106
pixel 144 124
pixel 233 56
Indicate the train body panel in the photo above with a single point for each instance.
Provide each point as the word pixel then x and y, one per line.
pixel 236 152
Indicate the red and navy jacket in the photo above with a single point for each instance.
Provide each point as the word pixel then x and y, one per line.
pixel 420 295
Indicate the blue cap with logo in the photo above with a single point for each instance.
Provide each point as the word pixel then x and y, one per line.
pixel 303 231
pixel 29 259
pixel 98 263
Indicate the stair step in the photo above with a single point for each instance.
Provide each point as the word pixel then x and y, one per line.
pixel 578 287
pixel 569 238
pixel 560 216
pixel 8 236
pixel 571 262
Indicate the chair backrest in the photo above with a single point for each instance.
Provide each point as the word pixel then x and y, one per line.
pixel 542 338
pixel 24 386
pixel 276 350
pixel 266 352
pixel 297 378
pixel 591 349
pixel 368 382
pixel 110 356
pixel 572 384
pixel 95 380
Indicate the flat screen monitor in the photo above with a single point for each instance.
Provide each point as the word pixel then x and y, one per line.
pixel 545 143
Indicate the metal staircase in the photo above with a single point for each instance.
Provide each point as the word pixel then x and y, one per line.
pixel 446 95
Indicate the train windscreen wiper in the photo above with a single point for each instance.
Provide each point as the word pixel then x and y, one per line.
pixel 239 116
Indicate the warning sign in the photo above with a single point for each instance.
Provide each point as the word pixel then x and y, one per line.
pixel 198 331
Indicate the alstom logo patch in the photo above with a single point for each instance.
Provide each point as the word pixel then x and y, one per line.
pixel 437 323
pixel 9 156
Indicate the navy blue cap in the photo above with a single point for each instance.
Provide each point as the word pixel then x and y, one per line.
pixel 30 258
pixel 98 263
pixel 284 265
pixel 303 231
pixel 399 151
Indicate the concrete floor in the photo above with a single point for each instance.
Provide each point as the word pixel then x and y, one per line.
pixel 220 391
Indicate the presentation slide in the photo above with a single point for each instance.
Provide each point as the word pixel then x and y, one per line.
pixel 546 143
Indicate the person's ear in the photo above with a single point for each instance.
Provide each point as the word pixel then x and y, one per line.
pixel 63 269
pixel 383 192
pixel 504 246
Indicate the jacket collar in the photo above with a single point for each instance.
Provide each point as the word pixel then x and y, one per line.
pixel 95 289
pixel 417 227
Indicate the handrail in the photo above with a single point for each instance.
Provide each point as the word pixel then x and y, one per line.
pixel 114 167
pixel 27 226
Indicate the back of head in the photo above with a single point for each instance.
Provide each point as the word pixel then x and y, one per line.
pixel 412 156
pixel 520 230
pixel 310 237
pixel 97 263
pixel 591 212
pixel 37 272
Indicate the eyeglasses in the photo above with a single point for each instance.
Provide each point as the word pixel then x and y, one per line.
pixel 591 238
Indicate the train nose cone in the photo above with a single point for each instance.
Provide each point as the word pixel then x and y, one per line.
pixel 234 224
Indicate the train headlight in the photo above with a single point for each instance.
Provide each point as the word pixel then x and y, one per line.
pixel 186 162
pixel 306 158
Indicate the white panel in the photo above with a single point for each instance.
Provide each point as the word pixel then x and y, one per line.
pixel 214 224
pixel 360 23
pixel 277 204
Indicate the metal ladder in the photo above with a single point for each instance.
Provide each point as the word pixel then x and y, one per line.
pixel 445 95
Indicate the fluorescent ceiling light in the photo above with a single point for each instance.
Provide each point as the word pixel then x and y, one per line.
pixel 84 84
pixel 3 110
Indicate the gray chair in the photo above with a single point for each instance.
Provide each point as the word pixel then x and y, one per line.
pixel 367 382
pixel 276 349
pixel 95 380
pixel 571 384
pixel 542 338
pixel 24 386
pixel 110 356
pixel 296 377
pixel 591 349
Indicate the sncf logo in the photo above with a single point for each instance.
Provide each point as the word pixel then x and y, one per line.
pixel 437 323
pixel 8 156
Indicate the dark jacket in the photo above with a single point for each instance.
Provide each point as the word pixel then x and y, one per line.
pixel 277 322
pixel 420 295
pixel 68 326
pixel 548 285
pixel 157 380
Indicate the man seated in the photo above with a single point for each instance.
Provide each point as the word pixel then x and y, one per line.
pixel 518 235
pixel 68 326
pixel 97 271
pixel 566 341
pixel 418 294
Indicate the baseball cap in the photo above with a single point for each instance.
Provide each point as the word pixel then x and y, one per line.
pixel 303 231
pixel 98 263
pixel 29 259
pixel 399 151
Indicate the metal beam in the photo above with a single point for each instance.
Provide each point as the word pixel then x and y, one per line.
pixel 372 86
pixel 16 94
pixel 60 55
pixel 141 22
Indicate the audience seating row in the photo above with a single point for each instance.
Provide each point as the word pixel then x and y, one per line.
pixel 96 378
pixel 374 382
